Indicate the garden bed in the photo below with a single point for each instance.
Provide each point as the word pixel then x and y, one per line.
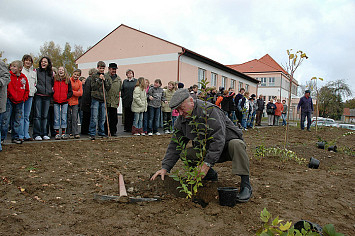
pixel 47 188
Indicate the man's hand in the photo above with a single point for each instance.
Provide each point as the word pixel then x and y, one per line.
pixel 151 98
pixel 161 172
pixel 102 77
pixel 204 168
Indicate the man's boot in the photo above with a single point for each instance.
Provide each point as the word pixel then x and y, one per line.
pixel 246 191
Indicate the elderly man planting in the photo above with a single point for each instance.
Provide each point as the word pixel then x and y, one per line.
pixel 226 143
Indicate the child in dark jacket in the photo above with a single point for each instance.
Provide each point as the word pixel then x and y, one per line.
pixel 17 94
pixel 62 92
pixel 42 99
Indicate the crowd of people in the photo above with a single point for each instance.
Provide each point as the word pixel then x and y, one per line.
pixel 57 103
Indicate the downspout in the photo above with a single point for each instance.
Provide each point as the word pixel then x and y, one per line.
pixel 280 87
pixel 178 67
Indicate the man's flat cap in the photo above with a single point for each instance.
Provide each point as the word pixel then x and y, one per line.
pixel 179 96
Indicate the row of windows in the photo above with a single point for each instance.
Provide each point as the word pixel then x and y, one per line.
pixel 224 81
pixel 266 81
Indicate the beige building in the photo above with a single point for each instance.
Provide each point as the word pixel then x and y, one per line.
pixel 153 57
pixel 274 80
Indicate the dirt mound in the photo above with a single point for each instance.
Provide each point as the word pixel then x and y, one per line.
pixel 48 188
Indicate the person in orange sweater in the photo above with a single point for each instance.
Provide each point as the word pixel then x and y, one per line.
pixel 73 108
pixel 279 109
pixel 17 93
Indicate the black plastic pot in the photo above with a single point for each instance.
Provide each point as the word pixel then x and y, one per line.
pixel 320 145
pixel 313 163
pixel 227 196
pixel 299 225
pixel 332 148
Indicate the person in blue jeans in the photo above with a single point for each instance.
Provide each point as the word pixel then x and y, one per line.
pixel 17 94
pixel 4 81
pixel 31 75
pixel 42 99
pixel 156 96
pixel 99 86
pixel 306 106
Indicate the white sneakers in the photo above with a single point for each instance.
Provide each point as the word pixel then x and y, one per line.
pixel 150 134
pixel 137 134
pixel 143 134
pixel 45 137
pixel 167 131
pixel 157 133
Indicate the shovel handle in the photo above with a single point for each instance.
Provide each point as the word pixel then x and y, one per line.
pixel 123 191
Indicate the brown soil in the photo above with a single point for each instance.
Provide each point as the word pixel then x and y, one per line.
pixel 47 188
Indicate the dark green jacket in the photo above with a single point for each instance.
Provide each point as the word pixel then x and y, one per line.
pixel 97 89
pixel 113 95
pixel 223 130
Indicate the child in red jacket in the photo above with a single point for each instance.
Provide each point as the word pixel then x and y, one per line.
pixel 17 94
pixel 73 108
pixel 62 92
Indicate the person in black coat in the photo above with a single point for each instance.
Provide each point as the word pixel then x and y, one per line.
pixel 85 105
pixel 127 98
pixel 270 110
pixel 259 112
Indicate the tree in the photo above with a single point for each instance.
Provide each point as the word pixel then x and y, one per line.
pixel 53 51
pixel 58 56
pixel 330 99
pixel 3 59
pixel 78 51
pixel 68 59
pixel 350 103
pixel 310 85
pixel 294 61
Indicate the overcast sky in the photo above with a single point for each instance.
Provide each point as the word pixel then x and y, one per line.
pixel 227 31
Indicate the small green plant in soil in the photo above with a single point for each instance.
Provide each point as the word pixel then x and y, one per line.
pixel 349 133
pixel 190 178
pixel 274 227
pixel 283 153
pixel 30 168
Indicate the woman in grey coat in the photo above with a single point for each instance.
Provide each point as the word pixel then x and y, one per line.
pixel 4 81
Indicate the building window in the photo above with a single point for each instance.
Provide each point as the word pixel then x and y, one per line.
pixel 240 86
pixel 233 84
pixel 213 79
pixel 271 81
pixel 201 76
pixel 263 82
pixel 246 87
pixel 224 82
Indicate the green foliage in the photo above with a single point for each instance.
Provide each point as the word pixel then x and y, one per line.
pixel 190 178
pixel 1 55
pixel 328 230
pixel 330 99
pixel 283 153
pixel 349 133
pixel 350 103
pixel 273 227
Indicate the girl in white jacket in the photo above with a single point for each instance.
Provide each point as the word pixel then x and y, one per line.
pixel 139 106
pixel 31 75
